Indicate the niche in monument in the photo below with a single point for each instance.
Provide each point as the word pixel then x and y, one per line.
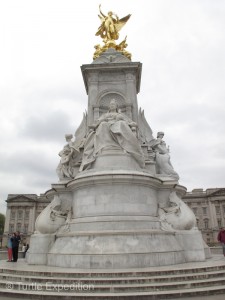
pixel 118 200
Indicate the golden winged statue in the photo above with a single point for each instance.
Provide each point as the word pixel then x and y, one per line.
pixel 110 26
pixel 109 32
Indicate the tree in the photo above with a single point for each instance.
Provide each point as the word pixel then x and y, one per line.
pixel 2 223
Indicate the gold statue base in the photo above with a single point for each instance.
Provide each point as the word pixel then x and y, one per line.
pixel 111 44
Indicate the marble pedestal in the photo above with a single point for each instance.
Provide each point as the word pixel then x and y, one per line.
pixel 108 216
pixel 115 225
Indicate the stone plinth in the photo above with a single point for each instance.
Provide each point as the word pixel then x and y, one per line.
pixel 115 225
pixel 40 245
pixel 116 249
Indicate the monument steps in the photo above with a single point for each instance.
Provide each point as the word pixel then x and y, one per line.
pixel 148 295
pixel 176 282
pixel 136 286
pixel 116 280
pixel 173 270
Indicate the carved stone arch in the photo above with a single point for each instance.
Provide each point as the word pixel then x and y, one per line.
pixel 104 100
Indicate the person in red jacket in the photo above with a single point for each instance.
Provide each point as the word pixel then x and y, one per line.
pixel 221 238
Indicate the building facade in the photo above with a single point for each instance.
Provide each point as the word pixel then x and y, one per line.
pixel 22 211
pixel 208 207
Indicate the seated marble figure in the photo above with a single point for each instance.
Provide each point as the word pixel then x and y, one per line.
pixel 70 158
pixel 163 164
pixel 113 130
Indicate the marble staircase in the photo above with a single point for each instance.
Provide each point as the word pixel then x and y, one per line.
pixel 20 280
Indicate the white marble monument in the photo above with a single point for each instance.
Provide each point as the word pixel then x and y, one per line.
pixel 118 201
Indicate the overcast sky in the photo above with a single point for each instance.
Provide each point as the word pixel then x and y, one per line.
pixel 181 44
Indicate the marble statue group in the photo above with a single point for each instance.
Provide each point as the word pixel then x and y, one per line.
pixel 112 130
pixel 117 202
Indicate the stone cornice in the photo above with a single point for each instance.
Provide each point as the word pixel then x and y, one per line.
pixel 134 67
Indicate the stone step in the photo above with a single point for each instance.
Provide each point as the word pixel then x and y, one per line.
pixel 112 274
pixel 122 287
pixel 118 280
pixel 134 295
pixel 169 282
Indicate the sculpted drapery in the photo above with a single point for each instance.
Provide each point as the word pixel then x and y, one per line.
pixel 163 163
pixel 113 130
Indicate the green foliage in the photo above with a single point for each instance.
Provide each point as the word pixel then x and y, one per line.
pixel 2 223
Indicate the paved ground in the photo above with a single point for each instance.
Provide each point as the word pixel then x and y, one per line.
pixel 22 265
pixel 216 297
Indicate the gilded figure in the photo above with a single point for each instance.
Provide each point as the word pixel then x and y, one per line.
pixel 110 25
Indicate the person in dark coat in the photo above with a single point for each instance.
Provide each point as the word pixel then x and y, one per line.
pixel 221 238
pixel 15 239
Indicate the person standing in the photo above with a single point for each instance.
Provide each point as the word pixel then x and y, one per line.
pixel 9 248
pixel 221 238
pixel 15 245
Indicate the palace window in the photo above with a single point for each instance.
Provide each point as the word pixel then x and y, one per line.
pixel 20 214
pixel 194 210
pixel 27 214
pixel 219 223
pixel 11 228
pixel 206 223
pixel 18 228
pixel 204 209
pixel 13 215
pixel 217 210
pixel 25 228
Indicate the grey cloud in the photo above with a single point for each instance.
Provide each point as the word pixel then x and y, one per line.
pixel 29 161
pixel 50 126
pixel 203 177
pixel 67 93
pixel 27 172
